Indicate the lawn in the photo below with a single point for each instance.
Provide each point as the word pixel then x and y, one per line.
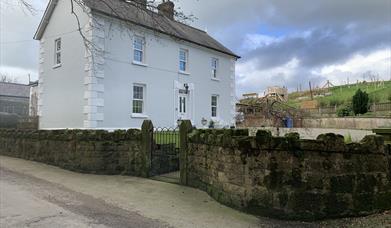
pixel 343 94
pixel 167 137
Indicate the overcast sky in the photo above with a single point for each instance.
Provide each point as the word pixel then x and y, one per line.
pixel 284 43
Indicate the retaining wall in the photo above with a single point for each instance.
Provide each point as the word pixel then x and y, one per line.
pixel 346 123
pixel 289 178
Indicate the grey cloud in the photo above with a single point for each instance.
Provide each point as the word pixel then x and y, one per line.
pixel 321 47
pixel 299 77
pixel 338 30
pixel 17 47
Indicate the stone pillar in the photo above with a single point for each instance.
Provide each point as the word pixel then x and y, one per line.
pixel 146 148
pixel 184 129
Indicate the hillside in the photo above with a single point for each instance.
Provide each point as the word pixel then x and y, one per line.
pixel 343 94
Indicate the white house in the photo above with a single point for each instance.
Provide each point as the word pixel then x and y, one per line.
pixel 128 64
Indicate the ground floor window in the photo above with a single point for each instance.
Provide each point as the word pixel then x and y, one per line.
pixel 138 98
pixel 214 105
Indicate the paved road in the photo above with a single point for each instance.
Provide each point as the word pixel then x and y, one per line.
pixel 37 195
pixel 31 202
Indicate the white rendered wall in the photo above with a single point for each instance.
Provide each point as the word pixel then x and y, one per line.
pixel 160 76
pixel 61 90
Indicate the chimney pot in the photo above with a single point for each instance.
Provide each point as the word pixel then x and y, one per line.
pixel 141 3
pixel 166 8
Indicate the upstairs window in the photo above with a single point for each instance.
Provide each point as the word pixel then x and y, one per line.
pixel 57 52
pixel 183 60
pixel 214 105
pixel 215 64
pixel 138 99
pixel 138 49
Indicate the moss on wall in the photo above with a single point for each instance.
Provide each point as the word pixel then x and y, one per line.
pixel 289 178
pixel 87 151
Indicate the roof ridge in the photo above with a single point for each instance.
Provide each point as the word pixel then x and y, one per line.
pixel 147 19
pixel 14 83
pixel 175 21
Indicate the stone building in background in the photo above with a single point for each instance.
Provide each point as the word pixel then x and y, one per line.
pixel 14 99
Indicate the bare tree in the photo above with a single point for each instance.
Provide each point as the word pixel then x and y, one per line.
pixel 144 8
pixel 6 78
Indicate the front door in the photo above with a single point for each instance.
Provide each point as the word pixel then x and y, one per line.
pixel 183 106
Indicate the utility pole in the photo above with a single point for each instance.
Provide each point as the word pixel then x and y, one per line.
pixel 312 96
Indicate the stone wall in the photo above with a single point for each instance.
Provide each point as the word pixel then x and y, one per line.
pixel 313 133
pixel 346 123
pixel 97 152
pixel 289 178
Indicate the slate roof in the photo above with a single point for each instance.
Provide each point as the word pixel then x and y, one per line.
pixel 14 90
pixel 157 22
pixel 148 19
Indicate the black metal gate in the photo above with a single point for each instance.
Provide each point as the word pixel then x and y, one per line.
pixel 165 151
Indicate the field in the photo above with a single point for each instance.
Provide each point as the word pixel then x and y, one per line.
pixel 343 94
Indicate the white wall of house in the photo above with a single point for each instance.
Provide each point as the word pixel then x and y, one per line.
pixel 61 89
pixel 95 89
pixel 162 80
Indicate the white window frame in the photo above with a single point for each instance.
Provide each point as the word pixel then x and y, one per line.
pixel 214 106
pixel 142 50
pixel 57 60
pixel 142 114
pixel 215 67
pixel 185 61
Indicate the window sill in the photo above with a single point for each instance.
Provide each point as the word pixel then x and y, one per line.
pixel 139 64
pixel 215 79
pixel 57 66
pixel 139 116
pixel 183 72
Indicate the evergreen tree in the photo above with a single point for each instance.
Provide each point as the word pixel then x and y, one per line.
pixel 360 102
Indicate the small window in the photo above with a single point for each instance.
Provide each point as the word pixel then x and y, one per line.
pixel 138 49
pixel 57 51
pixel 214 105
pixel 138 99
pixel 183 60
pixel 215 64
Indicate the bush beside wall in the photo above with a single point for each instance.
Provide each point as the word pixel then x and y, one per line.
pixel 289 178
pixel 96 152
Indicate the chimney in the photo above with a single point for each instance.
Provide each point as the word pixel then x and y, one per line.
pixel 141 3
pixel 166 8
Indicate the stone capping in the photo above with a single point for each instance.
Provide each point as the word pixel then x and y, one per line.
pixel 69 135
pixel 330 143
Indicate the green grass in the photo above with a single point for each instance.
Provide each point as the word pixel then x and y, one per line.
pixel 167 137
pixel 343 94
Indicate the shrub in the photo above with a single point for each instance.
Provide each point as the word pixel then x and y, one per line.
pixel 344 111
pixel 373 98
pixel 211 124
pixel 360 102
pixel 335 102
pixel 322 103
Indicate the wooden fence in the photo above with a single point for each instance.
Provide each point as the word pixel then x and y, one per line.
pixel 379 107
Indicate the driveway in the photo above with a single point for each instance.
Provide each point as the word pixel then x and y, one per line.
pixel 37 195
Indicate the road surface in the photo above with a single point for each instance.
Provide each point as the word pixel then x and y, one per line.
pixel 38 195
